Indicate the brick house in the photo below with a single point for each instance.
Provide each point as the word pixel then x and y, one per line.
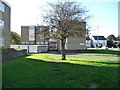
pixel 31 35
pixel 5 14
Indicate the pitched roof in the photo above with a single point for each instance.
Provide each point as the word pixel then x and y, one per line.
pixel 99 38
pixel 87 38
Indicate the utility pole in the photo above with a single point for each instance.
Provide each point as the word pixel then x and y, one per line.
pixel 97 36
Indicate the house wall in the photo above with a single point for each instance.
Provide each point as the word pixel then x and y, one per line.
pixel 74 43
pixel 25 36
pixel 88 43
pixel 71 44
pixel 5 31
pixel 59 45
pixel 10 54
pixel 40 37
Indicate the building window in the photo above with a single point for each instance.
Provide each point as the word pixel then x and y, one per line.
pixel 41 37
pixel 1 24
pixel 1 42
pixel 82 44
pixel 46 42
pixel 41 43
pixel 38 42
pixel 41 28
pixel 23 42
pixel 1 7
pixel 31 43
pixel 27 42
pixel 31 33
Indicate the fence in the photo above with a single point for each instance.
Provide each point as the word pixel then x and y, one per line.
pixel 32 48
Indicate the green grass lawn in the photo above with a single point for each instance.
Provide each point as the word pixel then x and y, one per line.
pixel 101 52
pixel 48 71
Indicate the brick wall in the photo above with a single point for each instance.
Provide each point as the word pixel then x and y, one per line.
pixel 9 54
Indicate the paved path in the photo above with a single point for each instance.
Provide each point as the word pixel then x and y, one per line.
pixel 93 56
pixel 88 55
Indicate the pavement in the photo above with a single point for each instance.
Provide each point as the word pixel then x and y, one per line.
pixel 88 55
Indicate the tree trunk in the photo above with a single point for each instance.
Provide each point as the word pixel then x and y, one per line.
pixel 63 51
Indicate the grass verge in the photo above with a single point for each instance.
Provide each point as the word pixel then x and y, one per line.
pixel 48 71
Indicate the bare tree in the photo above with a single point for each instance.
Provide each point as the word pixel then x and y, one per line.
pixel 66 19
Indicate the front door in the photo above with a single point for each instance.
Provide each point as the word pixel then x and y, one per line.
pixel 53 45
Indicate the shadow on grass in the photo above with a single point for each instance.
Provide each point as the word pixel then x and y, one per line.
pixel 31 73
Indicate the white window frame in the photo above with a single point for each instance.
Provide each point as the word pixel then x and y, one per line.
pixel 2 7
pixel 31 33
pixel 1 24
pixel 41 42
pixel 38 42
pixel 41 29
pixel 1 41
pixel 23 42
pixel 26 42
pixel 46 42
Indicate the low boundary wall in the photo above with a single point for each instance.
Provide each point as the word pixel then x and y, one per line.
pixel 9 54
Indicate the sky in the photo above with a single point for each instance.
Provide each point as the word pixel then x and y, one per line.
pixel 103 21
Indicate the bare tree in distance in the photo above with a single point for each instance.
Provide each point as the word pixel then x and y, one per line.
pixel 66 19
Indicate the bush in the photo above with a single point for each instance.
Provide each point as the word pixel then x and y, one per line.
pixel 109 44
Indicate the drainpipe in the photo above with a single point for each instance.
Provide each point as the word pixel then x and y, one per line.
pixel 35 35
